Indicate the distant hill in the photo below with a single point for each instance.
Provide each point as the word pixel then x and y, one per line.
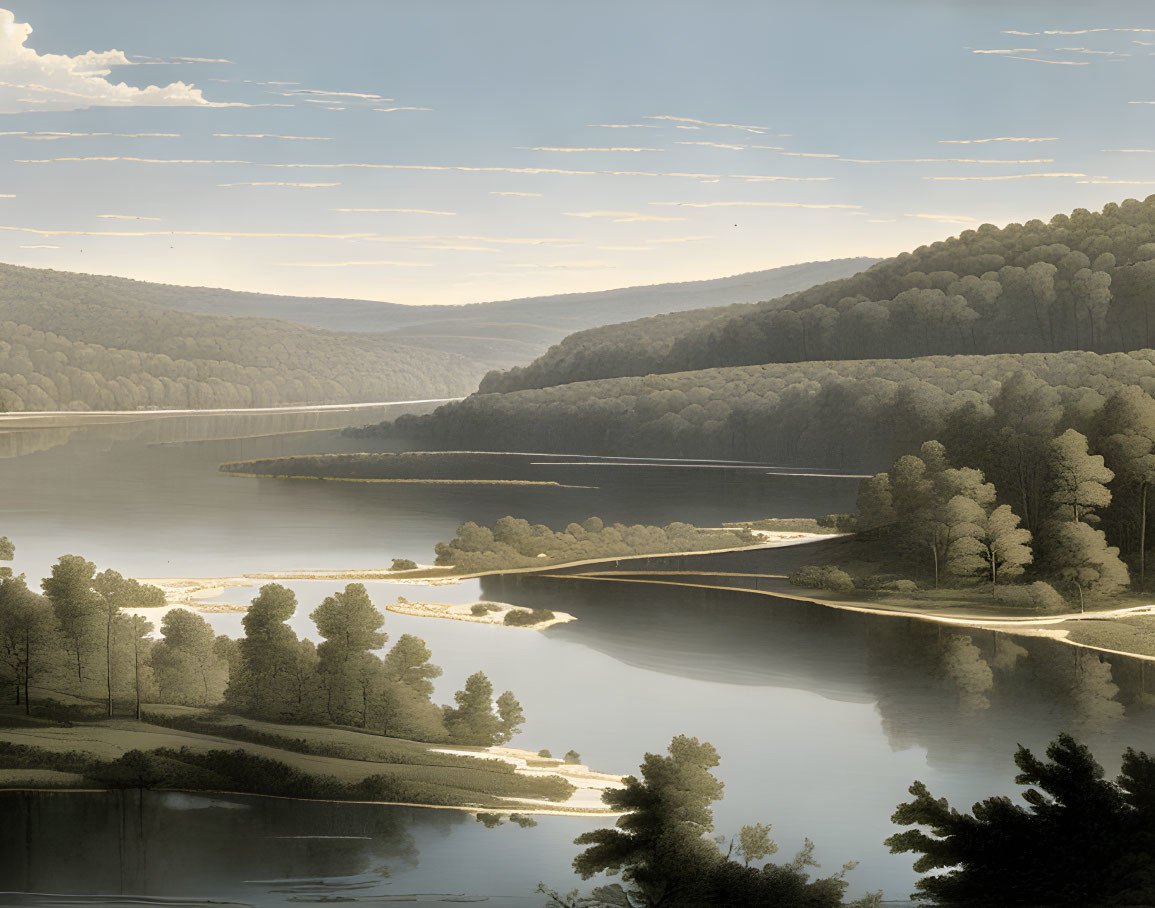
pixel 75 342
pixel 501 333
pixel 78 341
pixel 1084 281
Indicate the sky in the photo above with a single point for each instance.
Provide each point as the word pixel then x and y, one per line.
pixel 450 151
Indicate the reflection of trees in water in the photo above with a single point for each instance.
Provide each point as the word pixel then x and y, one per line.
pixel 159 844
pixel 963 695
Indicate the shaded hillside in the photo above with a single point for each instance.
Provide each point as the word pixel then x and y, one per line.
pixel 500 334
pixel 74 342
pixel 854 415
pixel 1083 281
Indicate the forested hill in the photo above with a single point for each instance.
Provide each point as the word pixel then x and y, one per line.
pixel 74 343
pixel 1084 281
pixel 499 334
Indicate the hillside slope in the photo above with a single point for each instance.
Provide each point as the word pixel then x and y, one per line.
pixel 1081 281
pixel 501 333
pixel 71 342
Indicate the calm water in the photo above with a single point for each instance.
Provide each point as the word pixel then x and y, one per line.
pixel 822 718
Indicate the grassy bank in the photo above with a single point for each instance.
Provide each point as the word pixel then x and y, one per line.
pixel 195 749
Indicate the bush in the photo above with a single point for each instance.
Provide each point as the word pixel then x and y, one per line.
pixel 572 756
pixel 1037 596
pixel 520 617
pixel 484 608
pixel 545 753
pixel 822 577
pixel 843 523
pixel 403 564
pixel 900 586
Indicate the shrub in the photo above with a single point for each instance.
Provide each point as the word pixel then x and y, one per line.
pixel 843 523
pixel 822 577
pixel 484 608
pixel 403 564
pixel 1037 596
pixel 900 586
pixel 545 753
pixel 520 617
pixel 572 756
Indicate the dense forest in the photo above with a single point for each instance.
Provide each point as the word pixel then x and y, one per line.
pixel 84 639
pixel 75 344
pixel 1084 281
pixel 854 415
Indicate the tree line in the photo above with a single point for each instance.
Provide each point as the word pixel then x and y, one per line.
pixel 81 638
pixel 1084 281
pixel 513 542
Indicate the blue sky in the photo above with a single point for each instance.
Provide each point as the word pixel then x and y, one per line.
pixel 446 152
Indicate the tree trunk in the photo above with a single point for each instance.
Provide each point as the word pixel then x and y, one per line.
pixel 1143 540
pixel 934 549
pixel 108 663
pixel 1082 603
pixel 136 669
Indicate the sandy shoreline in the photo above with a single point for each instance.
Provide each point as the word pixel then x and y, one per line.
pixel 189 593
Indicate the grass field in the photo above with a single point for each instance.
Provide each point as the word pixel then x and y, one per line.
pixel 346 755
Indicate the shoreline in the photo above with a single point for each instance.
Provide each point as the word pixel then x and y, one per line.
pixel 1024 625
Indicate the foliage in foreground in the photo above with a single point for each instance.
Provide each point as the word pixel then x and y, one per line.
pixel 661 847
pixel 1080 840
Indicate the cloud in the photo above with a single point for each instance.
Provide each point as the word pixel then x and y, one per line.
pixel 998 139
pixel 29 79
pixel 269 135
pixel 353 264
pixel 284 185
pixel 1080 31
pixel 39 246
pixel 881 220
pixel 139 60
pixel 624 125
pixel 1130 150
pixel 1041 60
pixel 619 217
pixel 295 92
pixel 50 136
pixel 1117 182
pixel 6 195
pixel 732 147
pixel 127 217
pixel 585 265
pixel 750 178
pixel 392 109
pixel 948 160
pixel 615 148
pixel 754 205
pixel 759 130
pixel 807 154
pixel 225 234
pixel 524 195
pixel 1084 50
pixel 625 248
pixel 680 239
pixel 1009 50
pixel 498 240
pixel 1010 176
pixel 946 218
pixel 397 210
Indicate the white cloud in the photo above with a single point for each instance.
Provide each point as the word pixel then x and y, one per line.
pixel 1010 176
pixel 732 147
pixel 523 195
pixel 680 239
pixel 127 217
pixel 269 135
pixel 946 218
pixel 1008 50
pixel 753 205
pixel 397 210
pixel 353 264
pixel 40 246
pixel 616 148
pixel 585 265
pixel 6 195
pixel 284 185
pixel 619 217
pixel 360 96
pixel 759 130
pixel 998 139
pixel 624 125
pixel 1118 182
pixel 1041 60
pixel 392 109
pixel 1080 31
pixel 29 79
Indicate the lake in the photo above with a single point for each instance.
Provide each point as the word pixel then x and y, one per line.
pixel 822 718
